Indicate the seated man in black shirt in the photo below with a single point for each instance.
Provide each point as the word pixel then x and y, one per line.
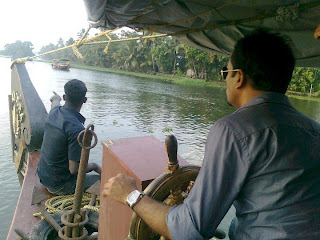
pixel 60 150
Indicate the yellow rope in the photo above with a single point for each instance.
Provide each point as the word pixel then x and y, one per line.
pixel 93 208
pixel 76 51
pixel 105 50
pixel 129 39
pixel 77 44
pixel 65 202
pixel 19 60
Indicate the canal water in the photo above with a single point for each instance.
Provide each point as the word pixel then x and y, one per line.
pixel 121 106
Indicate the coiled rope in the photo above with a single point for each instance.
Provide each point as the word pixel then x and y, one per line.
pixel 65 202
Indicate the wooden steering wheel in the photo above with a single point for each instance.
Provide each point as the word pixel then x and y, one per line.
pixel 171 187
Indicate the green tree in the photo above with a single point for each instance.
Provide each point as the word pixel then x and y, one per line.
pixel 60 43
pixel 122 56
pixel 216 65
pixel 70 42
pixel 133 53
pixel 199 60
pixel 48 48
pixel 176 48
pixel 19 49
pixel 164 56
pixel 302 79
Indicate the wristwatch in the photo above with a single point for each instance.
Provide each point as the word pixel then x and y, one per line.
pixel 134 197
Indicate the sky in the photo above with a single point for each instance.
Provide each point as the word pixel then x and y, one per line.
pixel 41 21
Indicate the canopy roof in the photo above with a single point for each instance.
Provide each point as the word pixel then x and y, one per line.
pixel 215 26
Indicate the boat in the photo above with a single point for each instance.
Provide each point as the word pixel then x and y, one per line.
pixel 213 26
pixel 61 64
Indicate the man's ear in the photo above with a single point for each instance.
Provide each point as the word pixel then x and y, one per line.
pixel 64 97
pixel 85 100
pixel 242 80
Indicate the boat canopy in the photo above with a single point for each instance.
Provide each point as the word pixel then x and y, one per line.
pixel 215 26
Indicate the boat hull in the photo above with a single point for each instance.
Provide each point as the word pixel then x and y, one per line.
pixel 66 68
pixel 23 218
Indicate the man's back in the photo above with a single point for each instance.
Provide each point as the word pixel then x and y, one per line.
pixel 280 197
pixel 264 159
pixel 59 145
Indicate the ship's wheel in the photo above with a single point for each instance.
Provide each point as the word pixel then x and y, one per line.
pixel 171 188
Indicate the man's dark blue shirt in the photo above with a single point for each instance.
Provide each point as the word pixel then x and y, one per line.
pixel 60 145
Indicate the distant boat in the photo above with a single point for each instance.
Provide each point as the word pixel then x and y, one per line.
pixel 62 64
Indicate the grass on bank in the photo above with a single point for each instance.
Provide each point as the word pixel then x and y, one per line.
pixel 302 97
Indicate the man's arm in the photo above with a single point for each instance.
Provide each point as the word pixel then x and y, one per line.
pixel 154 213
pixel 74 155
pixel 151 211
pixel 94 167
pixel 55 100
pixel 74 167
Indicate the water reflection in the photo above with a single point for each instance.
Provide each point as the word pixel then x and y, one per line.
pixel 309 108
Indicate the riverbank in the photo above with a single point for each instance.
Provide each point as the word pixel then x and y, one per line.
pixel 182 80
pixel 165 77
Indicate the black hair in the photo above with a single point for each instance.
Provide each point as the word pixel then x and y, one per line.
pixel 266 58
pixel 75 91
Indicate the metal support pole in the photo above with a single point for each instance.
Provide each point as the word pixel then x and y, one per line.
pixel 85 144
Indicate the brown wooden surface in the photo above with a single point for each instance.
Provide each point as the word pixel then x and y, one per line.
pixel 143 158
pixel 23 217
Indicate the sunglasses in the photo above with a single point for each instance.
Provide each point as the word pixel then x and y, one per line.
pixel 224 72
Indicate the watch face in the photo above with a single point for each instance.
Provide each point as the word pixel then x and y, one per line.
pixel 133 196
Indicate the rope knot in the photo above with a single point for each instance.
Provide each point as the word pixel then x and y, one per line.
pixel 76 50
pixel 20 60
pixel 105 50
